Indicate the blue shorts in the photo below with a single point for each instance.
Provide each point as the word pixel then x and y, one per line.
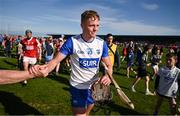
pixel 81 97
pixel 130 64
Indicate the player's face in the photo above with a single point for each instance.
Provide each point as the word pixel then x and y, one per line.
pixel 110 40
pixel 90 27
pixel 171 61
pixel 29 35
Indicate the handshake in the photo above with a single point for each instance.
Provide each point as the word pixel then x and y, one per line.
pixel 39 71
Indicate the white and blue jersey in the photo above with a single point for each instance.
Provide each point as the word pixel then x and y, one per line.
pixel 85 59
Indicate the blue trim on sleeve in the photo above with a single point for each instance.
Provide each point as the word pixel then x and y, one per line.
pixel 105 50
pixel 67 47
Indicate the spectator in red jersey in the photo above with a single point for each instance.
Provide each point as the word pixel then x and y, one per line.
pixel 31 49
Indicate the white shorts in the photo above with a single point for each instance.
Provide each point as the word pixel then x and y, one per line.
pixel 30 60
pixel 155 67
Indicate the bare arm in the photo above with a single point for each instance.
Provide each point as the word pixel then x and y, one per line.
pixel 107 64
pixel 52 64
pixel 13 76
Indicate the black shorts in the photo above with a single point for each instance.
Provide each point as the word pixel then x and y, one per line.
pixel 142 72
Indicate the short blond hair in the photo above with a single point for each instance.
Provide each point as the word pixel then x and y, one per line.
pixel 89 14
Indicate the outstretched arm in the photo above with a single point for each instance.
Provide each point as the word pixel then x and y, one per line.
pixel 50 66
pixel 14 76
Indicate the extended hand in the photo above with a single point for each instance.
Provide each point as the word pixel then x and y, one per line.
pixel 39 70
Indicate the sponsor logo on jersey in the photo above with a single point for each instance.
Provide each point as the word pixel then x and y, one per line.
pixel 29 47
pixel 88 62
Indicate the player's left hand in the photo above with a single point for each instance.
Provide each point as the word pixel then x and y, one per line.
pixel 105 80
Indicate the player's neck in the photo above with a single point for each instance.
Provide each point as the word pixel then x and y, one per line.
pixel 29 38
pixel 87 38
pixel 110 44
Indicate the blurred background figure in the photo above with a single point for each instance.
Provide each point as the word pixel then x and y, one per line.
pixel 31 50
pixel 49 50
pixel 7 46
pixel 130 61
pixel 19 53
pixel 113 51
pixel 58 45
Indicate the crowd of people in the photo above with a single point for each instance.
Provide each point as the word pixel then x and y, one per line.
pixel 84 53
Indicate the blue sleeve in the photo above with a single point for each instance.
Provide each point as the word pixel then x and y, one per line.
pixel 105 50
pixel 67 48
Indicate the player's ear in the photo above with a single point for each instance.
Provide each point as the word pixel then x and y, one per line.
pixel 81 25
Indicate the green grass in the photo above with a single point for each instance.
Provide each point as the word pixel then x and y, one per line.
pixel 50 96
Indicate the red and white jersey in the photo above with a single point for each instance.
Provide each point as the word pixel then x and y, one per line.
pixel 30 47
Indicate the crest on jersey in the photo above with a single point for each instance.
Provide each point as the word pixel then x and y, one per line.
pixel 89 51
pixel 98 51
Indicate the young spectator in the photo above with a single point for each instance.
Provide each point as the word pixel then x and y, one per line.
pixel 167 83
pixel 138 54
pixel 142 71
pixel 155 60
pixel 130 61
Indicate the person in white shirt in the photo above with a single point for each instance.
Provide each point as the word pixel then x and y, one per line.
pixel 86 51
pixel 167 84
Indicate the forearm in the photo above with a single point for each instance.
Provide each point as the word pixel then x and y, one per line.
pixel 52 64
pixel 110 69
pixel 107 65
pixel 13 76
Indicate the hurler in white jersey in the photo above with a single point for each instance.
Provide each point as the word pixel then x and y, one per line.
pixel 86 51
pixel 85 59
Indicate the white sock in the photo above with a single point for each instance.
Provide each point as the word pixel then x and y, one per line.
pixel 147 89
